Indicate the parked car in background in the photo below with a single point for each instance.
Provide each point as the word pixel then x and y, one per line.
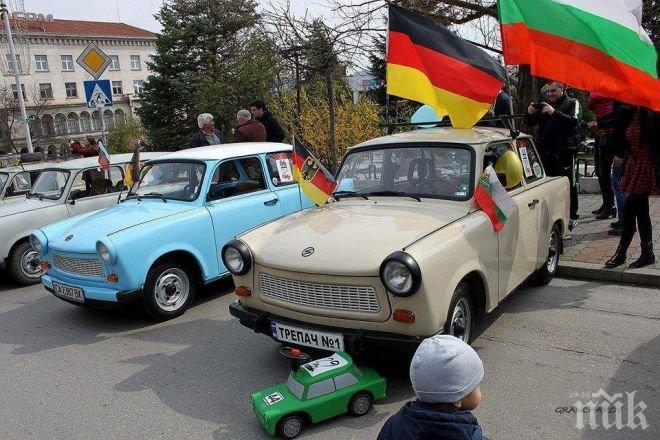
pixel 163 242
pixel 61 191
pixel 16 181
pixel 404 252
pixel 588 145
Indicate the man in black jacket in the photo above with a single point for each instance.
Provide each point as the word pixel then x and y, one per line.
pixel 274 131
pixel 558 120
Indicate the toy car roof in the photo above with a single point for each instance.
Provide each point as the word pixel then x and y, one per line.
pixel 325 368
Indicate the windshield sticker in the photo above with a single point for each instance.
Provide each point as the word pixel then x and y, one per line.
pixel 538 172
pixel 324 365
pixel 276 181
pixel 462 191
pixel 272 399
pixel 284 170
pixel 525 160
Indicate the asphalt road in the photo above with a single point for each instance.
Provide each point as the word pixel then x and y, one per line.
pixel 72 373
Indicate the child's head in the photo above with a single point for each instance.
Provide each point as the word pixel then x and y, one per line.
pixel 447 370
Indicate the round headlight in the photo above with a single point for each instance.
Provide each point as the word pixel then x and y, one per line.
pixel 237 257
pixel 103 251
pixel 400 274
pixel 35 243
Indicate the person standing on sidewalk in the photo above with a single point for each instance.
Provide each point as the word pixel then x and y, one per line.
pixel 558 119
pixel 249 130
pixel 274 131
pixel 637 128
pixel 603 131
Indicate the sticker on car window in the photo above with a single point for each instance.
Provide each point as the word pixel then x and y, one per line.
pixel 538 172
pixel 324 365
pixel 284 170
pixel 525 160
pixel 272 399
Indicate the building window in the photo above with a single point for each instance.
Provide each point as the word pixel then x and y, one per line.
pixel 60 124
pixel 138 86
pixel 67 63
pixel 85 125
pixel 72 123
pixel 114 62
pixel 10 64
pixel 96 121
pixel 45 91
pixel 71 90
pixel 107 119
pixel 42 63
pixel 135 62
pixel 14 91
pixel 116 88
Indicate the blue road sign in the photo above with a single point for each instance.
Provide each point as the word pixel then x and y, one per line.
pixel 98 93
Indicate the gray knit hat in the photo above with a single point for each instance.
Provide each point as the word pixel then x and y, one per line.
pixel 445 370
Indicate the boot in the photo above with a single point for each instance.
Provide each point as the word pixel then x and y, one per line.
pixel 599 210
pixel 646 258
pixel 617 224
pixel 606 213
pixel 620 256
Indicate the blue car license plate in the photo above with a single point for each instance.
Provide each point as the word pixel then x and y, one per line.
pixel 69 292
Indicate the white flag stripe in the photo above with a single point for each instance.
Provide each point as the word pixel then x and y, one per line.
pixel 500 196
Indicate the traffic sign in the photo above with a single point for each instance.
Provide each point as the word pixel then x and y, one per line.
pixel 98 93
pixel 94 60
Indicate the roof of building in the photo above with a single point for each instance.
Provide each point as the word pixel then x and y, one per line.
pixel 226 151
pixel 79 28
pixel 86 162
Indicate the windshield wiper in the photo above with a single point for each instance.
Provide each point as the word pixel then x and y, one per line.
pixel 395 194
pixel 337 195
pixel 154 194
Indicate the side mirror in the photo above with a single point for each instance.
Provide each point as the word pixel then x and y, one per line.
pixel 75 195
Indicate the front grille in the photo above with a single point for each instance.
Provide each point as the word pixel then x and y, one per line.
pixel 322 296
pixel 79 266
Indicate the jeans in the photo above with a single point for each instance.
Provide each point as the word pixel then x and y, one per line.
pixel 603 166
pixel 620 196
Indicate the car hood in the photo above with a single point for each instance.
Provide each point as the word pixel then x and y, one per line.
pixel 82 235
pixel 26 205
pixel 350 237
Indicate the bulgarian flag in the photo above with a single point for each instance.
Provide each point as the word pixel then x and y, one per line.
pixel 104 157
pixel 595 45
pixel 493 199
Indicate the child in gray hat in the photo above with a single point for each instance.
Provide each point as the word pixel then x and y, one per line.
pixel 445 374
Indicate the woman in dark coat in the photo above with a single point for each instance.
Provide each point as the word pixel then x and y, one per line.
pixel 637 129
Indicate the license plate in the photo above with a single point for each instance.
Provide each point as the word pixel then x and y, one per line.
pixel 308 338
pixel 72 293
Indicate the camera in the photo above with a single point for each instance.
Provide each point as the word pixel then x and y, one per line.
pixel 538 106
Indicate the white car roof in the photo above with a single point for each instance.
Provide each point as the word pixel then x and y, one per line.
pixel 27 167
pixel 86 162
pixel 226 151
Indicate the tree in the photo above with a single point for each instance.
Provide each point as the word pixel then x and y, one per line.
pixel 120 134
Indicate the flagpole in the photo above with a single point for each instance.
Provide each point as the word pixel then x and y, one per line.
pixel 390 128
pixel 293 141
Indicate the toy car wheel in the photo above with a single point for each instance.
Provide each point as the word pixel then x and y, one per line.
pixel 547 272
pixel 168 291
pixel 460 319
pixel 290 426
pixel 360 404
pixel 24 264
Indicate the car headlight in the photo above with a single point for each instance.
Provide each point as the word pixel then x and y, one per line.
pixel 38 244
pixel 400 274
pixel 106 252
pixel 237 257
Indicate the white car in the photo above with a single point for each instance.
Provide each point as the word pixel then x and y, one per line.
pixel 15 182
pixel 61 191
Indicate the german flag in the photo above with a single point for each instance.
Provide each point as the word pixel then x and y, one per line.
pixel 316 182
pixel 427 63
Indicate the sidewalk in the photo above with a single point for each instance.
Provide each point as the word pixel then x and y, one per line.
pixel 590 246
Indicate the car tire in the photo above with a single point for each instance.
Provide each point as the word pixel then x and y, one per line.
pixel 290 426
pixel 547 272
pixel 360 404
pixel 461 314
pixel 19 267
pixel 168 291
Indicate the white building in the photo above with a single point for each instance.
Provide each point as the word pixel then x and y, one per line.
pixel 53 81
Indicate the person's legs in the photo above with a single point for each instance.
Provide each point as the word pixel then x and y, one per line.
pixel 619 195
pixel 568 170
pixel 629 218
pixel 645 234
pixel 603 165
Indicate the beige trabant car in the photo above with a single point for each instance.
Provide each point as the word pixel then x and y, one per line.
pixel 402 252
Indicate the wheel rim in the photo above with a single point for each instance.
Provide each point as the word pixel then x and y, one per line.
pixel 172 289
pixel 461 320
pixel 553 252
pixel 361 405
pixel 27 267
pixel 292 427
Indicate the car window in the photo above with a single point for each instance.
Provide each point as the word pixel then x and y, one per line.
pixel 20 184
pixel 50 184
pixel 320 388
pixel 295 387
pixel 495 150
pixel 3 180
pixel 532 167
pixel 95 182
pixel 345 380
pixel 280 168
pixel 235 177
pixel 176 180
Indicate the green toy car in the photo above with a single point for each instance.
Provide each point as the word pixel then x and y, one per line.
pixel 316 391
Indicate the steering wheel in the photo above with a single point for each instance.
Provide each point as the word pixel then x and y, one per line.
pixel 295 356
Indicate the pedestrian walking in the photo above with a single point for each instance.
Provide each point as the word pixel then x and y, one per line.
pixel 274 131
pixel 637 130
pixel 248 129
pixel 602 128
pixel 207 134
pixel 558 119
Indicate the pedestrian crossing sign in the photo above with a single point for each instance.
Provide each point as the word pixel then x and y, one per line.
pixel 98 93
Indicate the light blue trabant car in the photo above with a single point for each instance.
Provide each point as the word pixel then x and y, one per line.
pixel 164 240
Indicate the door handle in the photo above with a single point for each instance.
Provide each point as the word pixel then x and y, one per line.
pixel 533 203
pixel 271 202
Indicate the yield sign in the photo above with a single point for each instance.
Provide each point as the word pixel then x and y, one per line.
pixel 98 93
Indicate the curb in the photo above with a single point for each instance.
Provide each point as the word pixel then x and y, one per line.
pixel 647 276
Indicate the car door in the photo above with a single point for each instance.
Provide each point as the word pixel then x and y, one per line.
pixel 238 199
pixel 280 172
pixel 93 189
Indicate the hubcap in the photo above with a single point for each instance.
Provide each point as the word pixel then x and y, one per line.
pixel 292 427
pixel 461 321
pixel 361 405
pixel 172 289
pixel 30 264
pixel 553 252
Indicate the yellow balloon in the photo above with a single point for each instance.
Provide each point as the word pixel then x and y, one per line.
pixel 509 164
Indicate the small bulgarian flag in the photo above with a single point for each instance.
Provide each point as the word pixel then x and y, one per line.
pixel 104 157
pixel 493 199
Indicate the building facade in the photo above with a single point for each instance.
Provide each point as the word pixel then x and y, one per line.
pixel 53 82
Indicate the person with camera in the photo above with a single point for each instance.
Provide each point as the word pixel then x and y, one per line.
pixel 558 120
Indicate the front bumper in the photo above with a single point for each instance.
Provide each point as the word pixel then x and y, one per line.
pixel 356 340
pixel 95 296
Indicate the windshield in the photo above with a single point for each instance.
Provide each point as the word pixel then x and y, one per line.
pixel 444 172
pixel 3 180
pixel 170 180
pixel 295 387
pixel 50 184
